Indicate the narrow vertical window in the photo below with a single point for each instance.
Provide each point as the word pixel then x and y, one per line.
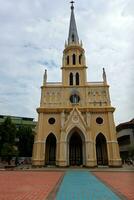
pixel 77 78
pixel 67 60
pixel 80 57
pixel 74 59
pixel 72 37
pixel 71 79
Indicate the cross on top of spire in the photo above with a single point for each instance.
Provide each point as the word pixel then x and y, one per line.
pixel 72 4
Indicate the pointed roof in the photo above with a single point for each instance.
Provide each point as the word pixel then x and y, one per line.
pixel 73 35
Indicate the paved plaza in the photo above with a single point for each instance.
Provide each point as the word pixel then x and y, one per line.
pixel 70 184
pixel 27 185
pixel 122 182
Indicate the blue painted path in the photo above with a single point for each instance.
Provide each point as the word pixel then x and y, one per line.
pixel 82 185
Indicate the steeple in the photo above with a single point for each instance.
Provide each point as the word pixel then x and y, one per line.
pixel 73 35
pixel 73 62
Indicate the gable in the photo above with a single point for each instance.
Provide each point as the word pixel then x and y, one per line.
pixel 75 119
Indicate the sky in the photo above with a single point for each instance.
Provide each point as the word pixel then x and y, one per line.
pixel 32 38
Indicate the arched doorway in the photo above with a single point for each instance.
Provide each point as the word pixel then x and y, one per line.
pixel 101 150
pixel 50 153
pixel 75 149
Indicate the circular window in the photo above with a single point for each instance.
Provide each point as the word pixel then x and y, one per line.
pixel 74 98
pixel 99 120
pixel 51 120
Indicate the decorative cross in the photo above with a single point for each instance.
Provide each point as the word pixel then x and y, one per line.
pixel 72 2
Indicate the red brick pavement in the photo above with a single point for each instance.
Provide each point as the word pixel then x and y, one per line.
pixel 122 182
pixel 27 185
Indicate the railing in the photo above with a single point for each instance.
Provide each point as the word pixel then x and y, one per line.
pixel 87 83
pixel 95 83
pixel 53 83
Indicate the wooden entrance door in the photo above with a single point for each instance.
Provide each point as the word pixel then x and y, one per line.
pixel 101 150
pixel 75 150
pixel 50 154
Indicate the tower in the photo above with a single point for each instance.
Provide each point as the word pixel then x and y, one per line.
pixel 74 66
pixel 75 117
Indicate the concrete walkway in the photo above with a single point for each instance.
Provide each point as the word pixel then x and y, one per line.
pixel 78 185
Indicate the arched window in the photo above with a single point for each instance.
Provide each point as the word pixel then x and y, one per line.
pixel 67 60
pixel 72 37
pixel 71 78
pixel 77 78
pixel 73 59
pixel 80 57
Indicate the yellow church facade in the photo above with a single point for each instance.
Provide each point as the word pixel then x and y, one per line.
pixel 75 118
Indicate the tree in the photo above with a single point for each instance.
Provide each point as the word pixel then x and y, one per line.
pixel 8 134
pixel 8 131
pixel 8 151
pixel 26 139
pixel 0 139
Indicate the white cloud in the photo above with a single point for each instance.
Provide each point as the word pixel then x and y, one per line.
pixel 32 39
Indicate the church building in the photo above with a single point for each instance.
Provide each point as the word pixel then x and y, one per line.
pixel 75 117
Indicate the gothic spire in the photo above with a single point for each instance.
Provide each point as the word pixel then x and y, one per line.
pixel 73 35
